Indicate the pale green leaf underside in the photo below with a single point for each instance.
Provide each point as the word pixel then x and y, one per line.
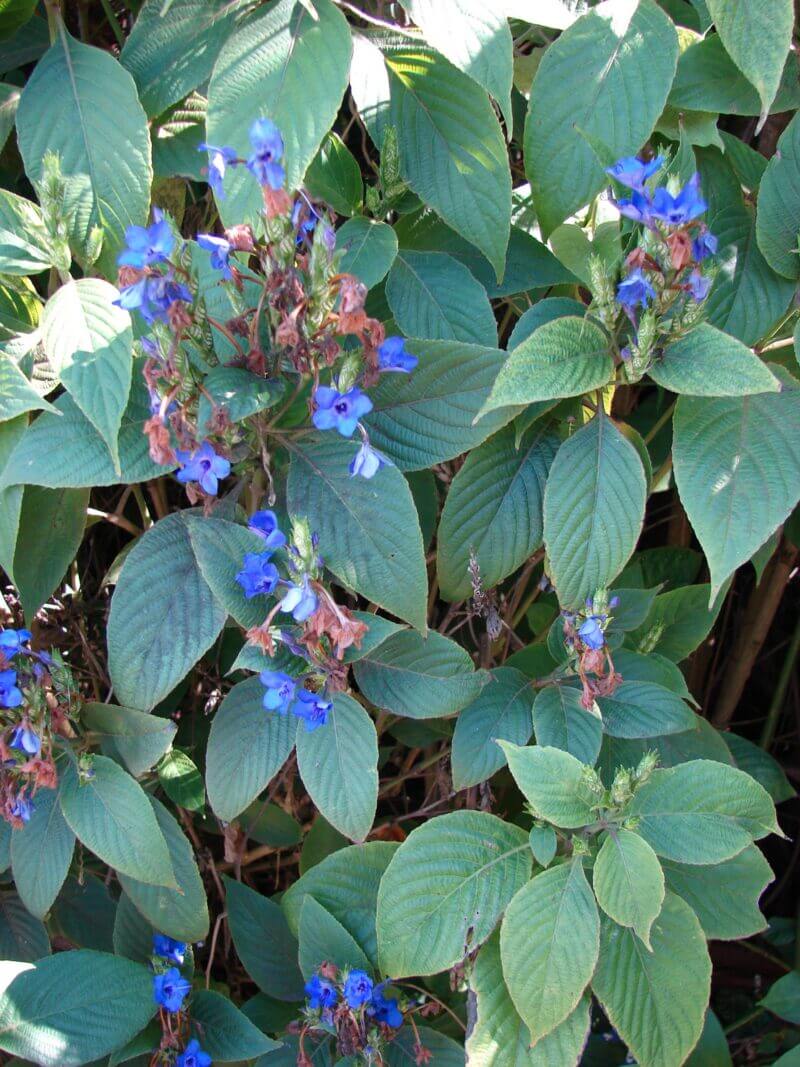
pixel 628 882
pixel 708 362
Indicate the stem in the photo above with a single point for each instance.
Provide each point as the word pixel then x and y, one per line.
pixel 113 22
pixel 778 697
pixel 664 418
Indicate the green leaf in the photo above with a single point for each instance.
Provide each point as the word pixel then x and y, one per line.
pixel 596 63
pixel 783 998
pixel 445 889
pixel 171 51
pixel 320 842
pixel 89 342
pixel 368 249
pixel 181 913
pixel 712 1048
pixel 13 15
pixel 247 746
pixel 110 813
pixel 778 216
pixel 501 711
pixel 452 151
pixel 629 882
pixel 23 937
pixel 771 23
pixel 656 1000
pixel 724 897
pixel 758 763
pixel 419 677
pixel 219 548
pixel 737 466
pixel 265 944
pixel 678 622
pixel 74 1007
pixel 432 295
pixel 288 59
pixel 324 939
pixel 11 433
pixel 51 525
pixel 85 913
pixel 80 103
pixel 547 310
pixel 707 362
pixel 17 395
pixel 593 510
pixel 551 781
pixel 182 782
pixel 428 417
pixel 41 853
pixel 445 1052
pixel 644 709
pixel 346 884
pixel 564 357
pixel 23 237
pixel 238 392
pixel 338 763
pixel 561 721
pixel 227 1034
pixel 379 630
pixel 702 812
pixel 494 509
pixel 335 176
pixel 555 916
pixel 544 844
pixel 369 529
pixel 150 647
pixel 140 740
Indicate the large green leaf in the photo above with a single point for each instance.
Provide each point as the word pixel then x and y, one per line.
pixel 593 510
pixel 783 998
pixel 246 747
pixel 759 764
pixel 644 709
pixel 368 249
pixel 555 918
pixel 435 296
pixel 226 1032
pixel 51 525
pixel 11 433
pixel 89 343
pixel 41 853
pixel 603 62
pixel 23 237
pixel 561 721
pixel 778 216
pixel 419 677
pixel 708 362
pixel 265 944
pixel 737 466
pixel 23 937
pixel 335 177
pixel 702 812
pixel 677 623
pixel 139 739
pixel 338 763
pixel 288 62
pixel 81 103
pixel 17 395
pixel 324 939
pixel 493 509
pixel 429 416
pixel 501 711
pixel 445 889
pixel 74 1007
pixel 628 881
pixel 551 781
pixel 85 913
pixel 111 814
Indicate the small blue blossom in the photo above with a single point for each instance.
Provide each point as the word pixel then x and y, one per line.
pixel 704 245
pixel 357 988
pixel 300 600
pixel 676 210
pixel 203 466
pixel 14 641
pixel 26 740
pixel 218 160
pixel 340 411
pixel 312 708
pixel 392 356
pixel 320 993
pixel 634 172
pixel 10 694
pixel 258 576
pixel 170 989
pixel 22 808
pixel 263 164
pixel 147 244
pixel 699 285
pixel 152 296
pixel 591 632
pixel 168 948
pixel 220 250
pixel 193 1056
pixel 280 690
pixel 304 219
pixel 384 1009
pixel 367 461
pixel 265 524
pixel 635 289
pixel 638 206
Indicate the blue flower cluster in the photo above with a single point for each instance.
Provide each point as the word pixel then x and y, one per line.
pixel 170 988
pixel 284 693
pixel 263 162
pixel 154 292
pixel 203 466
pixel 358 992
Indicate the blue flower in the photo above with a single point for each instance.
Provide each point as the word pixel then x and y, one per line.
pixel 384 1009
pixel 638 207
pixel 367 461
pixel 263 164
pixel 699 285
pixel 301 600
pixel 220 250
pixel 281 689
pixel 168 948
pixel 675 210
pixel 170 989
pixel 265 524
pixel 392 356
pixel 258 576
pixel 339 411
pixel 25 740
pixel 193 1056
pixel 634 172
pixel 147 244
pixel 203 466
pixel 10 695
pixel 312 708
pixel 704 245
pixel 218 159
pixel 22 808
pixel 304 219
pixel 13 641
pixel 357 988
pixel 635 289
pixel 320 993
pixel 153 296
pixel 591 633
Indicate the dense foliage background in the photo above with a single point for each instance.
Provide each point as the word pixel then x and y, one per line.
pixel 399 464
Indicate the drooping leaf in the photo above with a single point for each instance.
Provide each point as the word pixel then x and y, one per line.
pixel 323 939
pixel 335 177
pixel 41 853
pixel 50 531
pixel 759 764
pixel 140 740
pixel 501 711
pixel 226 1032
pixel 783 998
pixel 264 942
pixel 628 882
pixel 23 237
